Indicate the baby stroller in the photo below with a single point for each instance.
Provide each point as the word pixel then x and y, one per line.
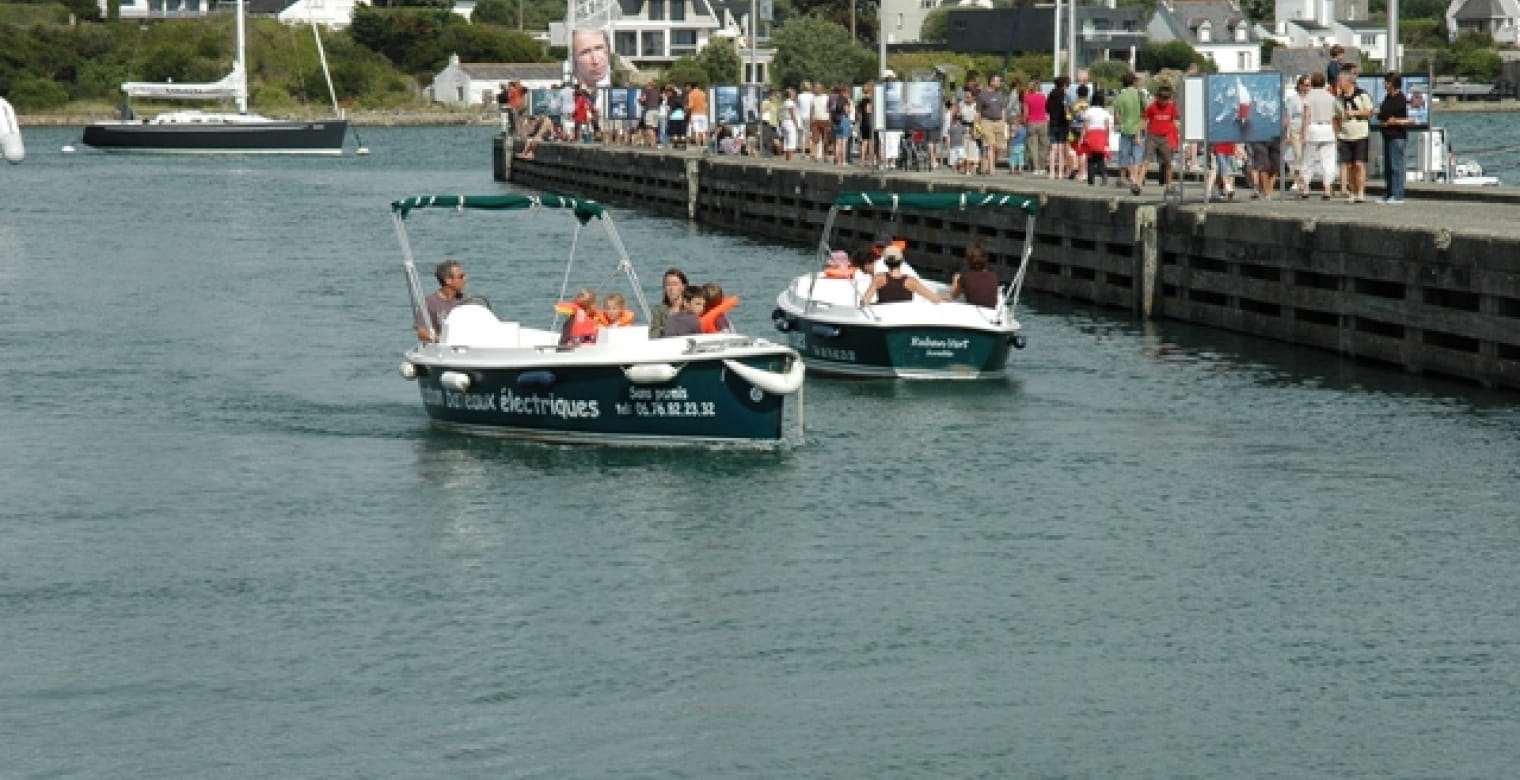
pixel 914 155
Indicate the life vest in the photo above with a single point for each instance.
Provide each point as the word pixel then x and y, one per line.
pixel 710 317
pixel 582 322
pixel 625 319
pixel 839 272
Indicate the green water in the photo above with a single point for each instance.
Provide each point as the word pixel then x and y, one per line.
pixel 233 547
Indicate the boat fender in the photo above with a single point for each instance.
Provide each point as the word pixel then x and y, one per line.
pixel 826 331
pixel 1018 340
pixel 458 381
pixel 11 146
pixel 650 373
pixel 773 383
pixel 408 371
pixel 782 322
pixel 536 379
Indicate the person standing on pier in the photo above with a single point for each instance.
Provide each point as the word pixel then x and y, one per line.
pixel 1352 112
pixel 866 125
pixel 1037 120
pixel 992 122
pixel 1129 115
pixel 1319 134
pixel 1394 118
pixel 1162 122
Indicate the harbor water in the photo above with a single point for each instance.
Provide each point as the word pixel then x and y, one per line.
pixel 232 546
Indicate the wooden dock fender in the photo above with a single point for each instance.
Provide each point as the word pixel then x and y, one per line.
pixel 1146 265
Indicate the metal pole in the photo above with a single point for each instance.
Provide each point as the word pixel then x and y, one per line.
pixel 1055 47
pixel 754 77
pixel 1071 40
pixel 881 43
pixel 1391 63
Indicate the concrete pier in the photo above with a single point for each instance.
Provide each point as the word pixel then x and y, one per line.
pixel 1432 286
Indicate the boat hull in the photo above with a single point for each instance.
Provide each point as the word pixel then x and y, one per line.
pixel 901 351
pixel 272 137
pixel 705 403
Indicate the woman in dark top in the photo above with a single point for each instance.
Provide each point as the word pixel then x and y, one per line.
pixel 1060 128
pixel 894 286
pixel 675 122
pixel 673 302
pixel 977 282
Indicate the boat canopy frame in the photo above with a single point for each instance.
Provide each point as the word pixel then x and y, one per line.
pixel 583 210
pixel 895 202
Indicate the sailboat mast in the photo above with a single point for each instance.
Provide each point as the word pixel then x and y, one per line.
pixel 242 62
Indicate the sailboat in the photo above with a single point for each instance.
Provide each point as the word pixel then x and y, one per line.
pixel 197 132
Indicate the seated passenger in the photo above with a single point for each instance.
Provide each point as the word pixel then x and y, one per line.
pixel 715 312
pixel 688 321
pixel 978 283
pixel 451 281
pixel 614 313
pixel 580 319
pixel 894 286
pixel 864 263
pixel 840 266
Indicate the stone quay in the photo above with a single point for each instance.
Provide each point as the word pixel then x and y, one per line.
pixel 1431 285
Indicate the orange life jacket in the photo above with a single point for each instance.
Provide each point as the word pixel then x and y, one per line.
pixel 710 317
pixel 623 320
pixel 836 272
pixel 582 322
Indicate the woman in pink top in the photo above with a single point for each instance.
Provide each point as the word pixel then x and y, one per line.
pixel 1038 123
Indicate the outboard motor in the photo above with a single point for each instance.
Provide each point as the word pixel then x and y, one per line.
pixel 782 320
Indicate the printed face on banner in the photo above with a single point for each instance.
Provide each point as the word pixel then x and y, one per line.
pixel 1244 107
pixel 591 57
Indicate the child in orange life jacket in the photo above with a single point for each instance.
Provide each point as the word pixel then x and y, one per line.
pixel 687 321
pixel 614 312
pixel 715 313
pixel 580 319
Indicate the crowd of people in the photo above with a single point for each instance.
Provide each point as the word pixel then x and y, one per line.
pixel 1074 130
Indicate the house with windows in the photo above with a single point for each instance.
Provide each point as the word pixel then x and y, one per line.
pixel 476 83
pixel 649 35
pixel 1216 29
pixel 1499 18
pixel 145 10
pixel 1308 24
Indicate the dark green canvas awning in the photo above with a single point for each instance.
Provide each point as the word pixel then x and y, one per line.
pixel 937 201
pixel 584 210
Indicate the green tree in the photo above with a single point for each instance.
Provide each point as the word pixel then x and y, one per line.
pixel 809 49
pixel 936 24
pixel 838 12
pixel 487 43
pixel 1173 55
pixel 36 93
pixel 687 70
pixel 498 12
pixel 1107 73
pixel 408 37
pixel 1471 56
pixel 720 58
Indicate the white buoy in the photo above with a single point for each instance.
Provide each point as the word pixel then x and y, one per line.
pixel 362 151
pixel 68 149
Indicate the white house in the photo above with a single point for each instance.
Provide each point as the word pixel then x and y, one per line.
pixel 476 83
pixel 159 9
pixel 1216 29
pixel 1499 18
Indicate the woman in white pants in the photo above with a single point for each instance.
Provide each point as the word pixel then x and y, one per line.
pixel 1319 135
pixel 789 124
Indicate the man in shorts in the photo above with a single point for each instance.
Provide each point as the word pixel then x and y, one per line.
pixel 992 122
pixel 1129 116
pixel 1352 111
pixel 1161 131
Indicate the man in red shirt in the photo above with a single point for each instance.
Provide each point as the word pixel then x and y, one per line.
pixel 1161 134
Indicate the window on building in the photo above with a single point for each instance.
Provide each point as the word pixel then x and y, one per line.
pixel 1203 33
pixel 1243 61
pixel 1240 33
pixel 656 10
pixel 683 42
pixel 653 43
pixel 677 10
pixel 626 42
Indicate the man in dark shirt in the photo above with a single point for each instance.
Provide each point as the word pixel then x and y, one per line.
pixel 1394 118
pixel 451 282
pixel 992 122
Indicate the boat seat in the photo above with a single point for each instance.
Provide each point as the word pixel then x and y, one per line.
pixel 625 336
pixel 473 325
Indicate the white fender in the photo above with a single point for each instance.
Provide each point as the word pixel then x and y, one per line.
pixel 408 371
pixel 775 384
pixel 455 380
pixel 650 373
pixel 11 146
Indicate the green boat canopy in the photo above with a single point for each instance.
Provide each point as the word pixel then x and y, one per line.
pixel 584 210
pixel 936 201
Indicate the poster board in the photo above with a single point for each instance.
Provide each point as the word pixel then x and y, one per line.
pixel 1243 108
pixel 1194 128
pixel 912 105
pixel 543 102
